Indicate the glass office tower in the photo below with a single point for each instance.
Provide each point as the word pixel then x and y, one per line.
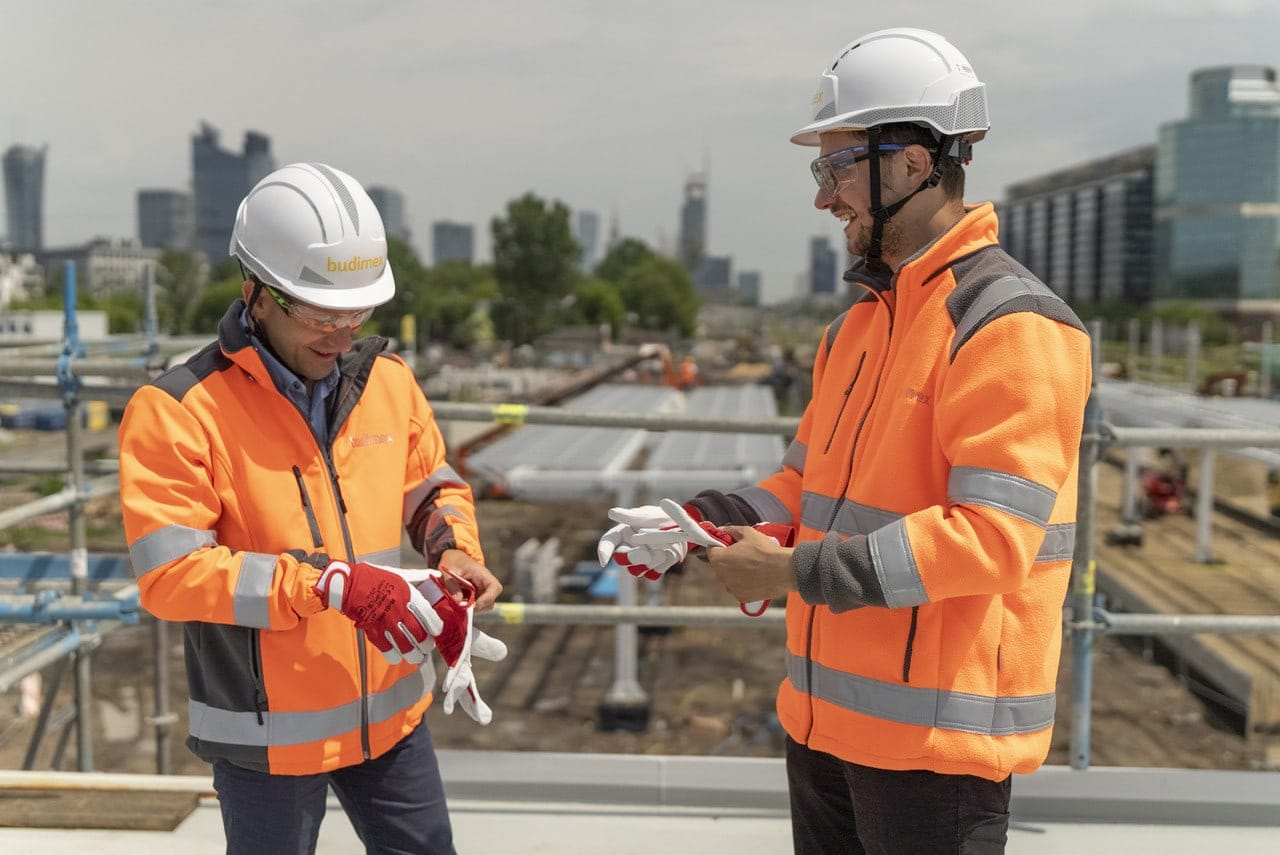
pixel 1218 192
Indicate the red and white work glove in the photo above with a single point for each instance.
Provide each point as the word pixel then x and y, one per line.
pixel 393 614
pixel 650 540
pixel 457 640
pixel 404 613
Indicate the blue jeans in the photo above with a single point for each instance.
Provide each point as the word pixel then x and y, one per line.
pixel 395 803
pixel 841 807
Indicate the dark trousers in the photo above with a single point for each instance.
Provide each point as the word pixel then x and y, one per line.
pixel 840 807
pixel 396 804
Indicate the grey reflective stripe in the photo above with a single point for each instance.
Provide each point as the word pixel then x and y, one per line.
pixel 384 557
pixel 296 728
pixel 992 297
pixel 816 510
pixel 419 494
pixel 165 545
pixel 1059 543
pixel 946 710
pixel 896 566
pixel 253 590
pixel 797 451
pixel 766 505
pixel 968 485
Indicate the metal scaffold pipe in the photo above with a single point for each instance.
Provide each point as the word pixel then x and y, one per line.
pixel 539 613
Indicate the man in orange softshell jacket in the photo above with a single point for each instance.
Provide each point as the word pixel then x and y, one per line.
pixel 931 483
pixel 266 486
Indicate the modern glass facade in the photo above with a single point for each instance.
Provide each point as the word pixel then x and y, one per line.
pixel 452 242
pixel 164 219
pixel 693 222
pixel 1218 192
pixel 1086 231
pixel 390 205
pixel 822 267
pixel 221 179
pixel 24 197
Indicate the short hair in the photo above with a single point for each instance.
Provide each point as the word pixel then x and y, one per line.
pixel 907 133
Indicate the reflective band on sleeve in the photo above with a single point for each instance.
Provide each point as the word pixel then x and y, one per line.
pixel 797 453
pixel 981 714
pixel 896 567
pixel 1028 500
pixel 1059 543
pixel 426 491
pixel 766 505
pixel 165 545
pixel 253 589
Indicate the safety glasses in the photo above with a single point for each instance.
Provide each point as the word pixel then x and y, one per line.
pixel 317 319
pixel 832 170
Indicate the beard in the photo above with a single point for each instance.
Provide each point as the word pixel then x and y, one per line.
pixel 891 242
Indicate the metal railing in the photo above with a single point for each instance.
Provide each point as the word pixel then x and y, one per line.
pixel 1084 619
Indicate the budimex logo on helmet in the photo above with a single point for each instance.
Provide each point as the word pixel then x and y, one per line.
pixel 355 262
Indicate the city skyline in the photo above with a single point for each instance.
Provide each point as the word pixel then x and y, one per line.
pixel 573 102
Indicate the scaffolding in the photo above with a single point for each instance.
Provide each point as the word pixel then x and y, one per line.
pixel 71 622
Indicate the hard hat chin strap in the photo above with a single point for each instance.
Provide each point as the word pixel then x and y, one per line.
pixel 874 264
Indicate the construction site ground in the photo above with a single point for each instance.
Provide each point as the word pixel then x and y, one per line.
pixel 711 688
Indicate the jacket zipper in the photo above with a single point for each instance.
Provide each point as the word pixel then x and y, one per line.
pixel 327 453
pixel 844 487
pixel 911 640
pixel 255 669
pixel 316 540
pixel 848 390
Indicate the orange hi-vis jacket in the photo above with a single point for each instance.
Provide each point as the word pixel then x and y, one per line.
pixel 220 478
pixel 933 481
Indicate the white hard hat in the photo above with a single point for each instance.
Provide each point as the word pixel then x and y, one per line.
pixel 313 232
pixel 898 75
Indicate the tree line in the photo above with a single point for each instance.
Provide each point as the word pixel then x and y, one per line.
pixel 535 284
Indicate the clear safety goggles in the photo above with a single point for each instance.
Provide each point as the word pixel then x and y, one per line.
pixel 315 318
pixel 832 170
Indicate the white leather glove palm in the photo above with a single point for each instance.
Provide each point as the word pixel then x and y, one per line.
pixel 457 640
pixel 646 541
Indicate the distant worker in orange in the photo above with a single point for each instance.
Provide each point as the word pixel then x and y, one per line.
pixel 931 483
pixel 688 373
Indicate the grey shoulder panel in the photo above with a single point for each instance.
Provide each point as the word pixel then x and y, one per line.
pixel 181 379
pixel 991 284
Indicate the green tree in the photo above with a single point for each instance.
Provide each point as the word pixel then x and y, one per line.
pixel 212 304
pixel 181 276
pixel 411 278
pixel 596 301
pixel 656 291
pixel 454 306
pixel 535 261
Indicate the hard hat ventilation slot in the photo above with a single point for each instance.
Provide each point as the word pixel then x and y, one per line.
pixel 344 195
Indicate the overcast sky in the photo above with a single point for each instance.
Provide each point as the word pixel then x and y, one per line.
pixel 604 105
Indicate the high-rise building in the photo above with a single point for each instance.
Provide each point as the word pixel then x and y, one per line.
pixel 164 219
pixel 587 233
pixel 221 179
pixel 24 197
pixel 390 205
pixel 1217 192
pixel 749 286
pixel 822 267
pixel 1086 231
pixel 693 222
pixel 452 241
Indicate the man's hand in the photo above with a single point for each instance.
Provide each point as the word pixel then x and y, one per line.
pixel 703 533
pixel 458 639
pixel 393 614
pixel 757 566
pixel 459 564
pixel 646 541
